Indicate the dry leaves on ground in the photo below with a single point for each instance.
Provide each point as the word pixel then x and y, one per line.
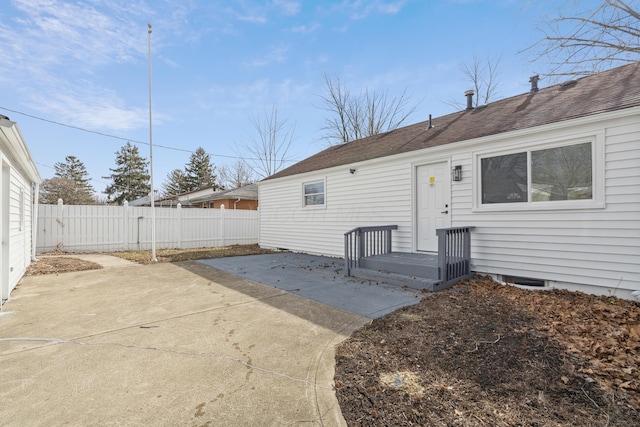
pixel 489 354
pixel 59 264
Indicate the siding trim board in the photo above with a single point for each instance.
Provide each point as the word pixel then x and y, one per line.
pixel 592 245
pixel 18 188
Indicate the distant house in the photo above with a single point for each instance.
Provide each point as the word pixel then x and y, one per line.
pixel 238 198
pixel 244 198
pixel 19 184
pixel 194 199
pixel 549 180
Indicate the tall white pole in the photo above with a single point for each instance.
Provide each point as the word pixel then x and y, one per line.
pixel 152 195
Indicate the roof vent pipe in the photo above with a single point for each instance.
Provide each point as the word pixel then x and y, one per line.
pixel 534 83
pixel 469 94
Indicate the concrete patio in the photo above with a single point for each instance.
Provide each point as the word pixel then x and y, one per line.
pixel 167 344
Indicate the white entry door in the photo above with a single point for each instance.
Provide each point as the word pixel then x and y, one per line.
pixel 432 203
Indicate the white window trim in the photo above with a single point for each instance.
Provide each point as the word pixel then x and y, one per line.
pixel 597 168
pixel 324 186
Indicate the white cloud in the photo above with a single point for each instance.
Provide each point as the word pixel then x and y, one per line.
pixel 275 54
pixel 55 55
pixel 288 7
pixel 360 9
pixel 230 100
pixel 305 29
pixel 77 32
pixel 83 105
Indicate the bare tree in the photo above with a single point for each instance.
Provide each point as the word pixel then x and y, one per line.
pixel 359 116
pixel 71 192
pixel 236 175
pixel 581 43
pixel 269 146
pixel 483 75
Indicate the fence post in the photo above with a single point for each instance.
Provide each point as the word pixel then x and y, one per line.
pixel 179 226
pixel 222 229
pixel 60 226
pixel 125 225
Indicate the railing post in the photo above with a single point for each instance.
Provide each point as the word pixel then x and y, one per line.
pixel 442 254
pixel 467 249
pixel 347 261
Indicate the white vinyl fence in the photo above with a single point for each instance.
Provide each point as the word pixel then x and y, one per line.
pixel 97 228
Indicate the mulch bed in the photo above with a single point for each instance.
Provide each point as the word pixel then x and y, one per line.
pixel 59 264
pixel 486 354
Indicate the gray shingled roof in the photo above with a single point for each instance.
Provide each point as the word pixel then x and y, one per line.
pixel 611 90
pixel 248 192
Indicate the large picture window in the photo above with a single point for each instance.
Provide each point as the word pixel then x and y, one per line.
pixel 545 175
pixel 314 194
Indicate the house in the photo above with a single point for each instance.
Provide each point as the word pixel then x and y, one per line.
pixel 19 184
pixel 238 198
pixel 548 182
pixel 190 198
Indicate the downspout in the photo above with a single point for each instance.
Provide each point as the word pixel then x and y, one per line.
pixel 234 203
pixel 35 191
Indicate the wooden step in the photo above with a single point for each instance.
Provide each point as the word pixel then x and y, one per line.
pixel 407 264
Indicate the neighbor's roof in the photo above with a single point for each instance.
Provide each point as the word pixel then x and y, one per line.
pixel 248 192
pixel 611 90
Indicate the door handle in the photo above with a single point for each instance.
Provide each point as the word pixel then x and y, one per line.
pixel 445 212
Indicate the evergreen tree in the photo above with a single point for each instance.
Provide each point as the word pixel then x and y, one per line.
pixel 75 170
pixel 130 179
pixel 199 172
pixel 175 183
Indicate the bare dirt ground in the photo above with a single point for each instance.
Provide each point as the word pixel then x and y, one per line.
pixel 486 354
pixel 53 265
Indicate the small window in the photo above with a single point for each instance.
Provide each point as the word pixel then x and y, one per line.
pixel 314 194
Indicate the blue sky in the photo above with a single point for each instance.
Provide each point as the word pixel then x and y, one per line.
pixel 83 63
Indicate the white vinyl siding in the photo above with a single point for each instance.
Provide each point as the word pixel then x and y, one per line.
pixel 578 247
pixel 19 226
pixel 373 195
pixel 594 243
pixel 17 180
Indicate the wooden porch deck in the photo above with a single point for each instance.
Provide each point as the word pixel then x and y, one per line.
pixel 368 254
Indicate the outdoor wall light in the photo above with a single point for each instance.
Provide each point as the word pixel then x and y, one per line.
pixel 352 171
pixel 457 173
